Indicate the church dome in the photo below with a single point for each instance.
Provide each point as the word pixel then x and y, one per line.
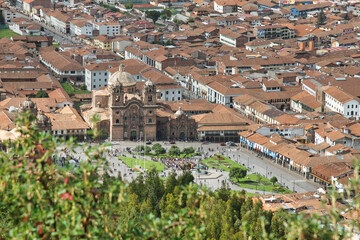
pixel 28 105
pixel 179 113
pixel 121 78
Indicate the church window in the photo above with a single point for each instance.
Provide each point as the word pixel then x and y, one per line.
pixel 150 120
pixel 173 133
pixel 133 118
pixel 150 112
pixel 149 98
pixel 117 112
pixel 117 120
pixel 117 90
pixel 191 133
pixel 125 118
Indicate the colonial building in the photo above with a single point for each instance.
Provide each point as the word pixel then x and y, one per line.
pixel 129 110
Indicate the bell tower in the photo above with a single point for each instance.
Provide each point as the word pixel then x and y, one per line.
pixel 149 94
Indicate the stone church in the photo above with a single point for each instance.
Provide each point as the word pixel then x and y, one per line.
pixel 131 110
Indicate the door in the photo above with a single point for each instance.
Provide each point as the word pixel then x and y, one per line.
pixel 133 135
pixel 182 136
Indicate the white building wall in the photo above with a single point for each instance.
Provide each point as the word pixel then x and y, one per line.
pixel 171 94
pixel 96 79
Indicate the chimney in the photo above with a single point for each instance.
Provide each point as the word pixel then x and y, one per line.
pixel 302 46
pixel 311 45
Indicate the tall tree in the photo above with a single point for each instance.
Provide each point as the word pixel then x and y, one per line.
pixel 153 15
pixel 321 19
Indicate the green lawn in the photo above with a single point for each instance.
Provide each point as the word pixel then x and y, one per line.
pixel 55 44
pixel 223 164
pixel 71 90
pixel 7 33
pixel 131 162
pixel 251 182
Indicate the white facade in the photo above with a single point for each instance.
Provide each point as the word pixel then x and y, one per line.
pixel 8 15
pixel 58 24
pixel 283 131
pixel 171 94
pixel 223 9
pixel 109 29
pixel 96 79
pixel 227 40
pixel 86 29
pixel 348 109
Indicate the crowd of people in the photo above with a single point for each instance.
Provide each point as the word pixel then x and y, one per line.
pixel 178 163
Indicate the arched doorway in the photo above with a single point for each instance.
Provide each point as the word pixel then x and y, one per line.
pixel 182 136
pixel 133 135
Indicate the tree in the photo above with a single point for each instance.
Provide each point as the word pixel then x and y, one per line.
pixel 83 87
pixel 41 94
pixel 32 95
pixel 237 172
pixel 273 180
pixel 186 178
pixel 158 149
pixel 174 151
pixel 187 151
pixel 129 5
pixel 321 20
pixel 147 149
pixel 139 148
pixel 153 15
pixel 166 14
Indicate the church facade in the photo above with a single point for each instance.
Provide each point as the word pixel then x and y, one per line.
pixel 130 110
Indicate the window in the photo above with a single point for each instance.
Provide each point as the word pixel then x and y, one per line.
pixel 94 74
pixel 149 98
pixel 117 121
pixel 117 112
pixel 105 74
pixel 178 92
pixel 133 118
pixel 150 112
pixel 150 120
pixel 167 92
pixel 94 86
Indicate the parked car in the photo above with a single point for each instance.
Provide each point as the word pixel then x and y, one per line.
pixel 172 142
pixel 148 142
pixel 230 143
pixel 206 142
pixel 222 144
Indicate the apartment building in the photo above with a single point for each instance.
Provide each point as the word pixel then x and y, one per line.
pixel 109 28
pixel 232 39
pixel 97 74
pixel 274 32
pixel 336 100
pixel 81 27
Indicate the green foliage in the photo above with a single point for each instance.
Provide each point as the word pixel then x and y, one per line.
pixel 237 172
pixel 273 180
pixel 166 14
pixel 187 151
pixel 321 19
pixel 129 5
pixel 153 15
pixel 139 148
pixel 191 20
pixel 41 94
pixel 83 87
pixel 174 151
pixel 158 149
